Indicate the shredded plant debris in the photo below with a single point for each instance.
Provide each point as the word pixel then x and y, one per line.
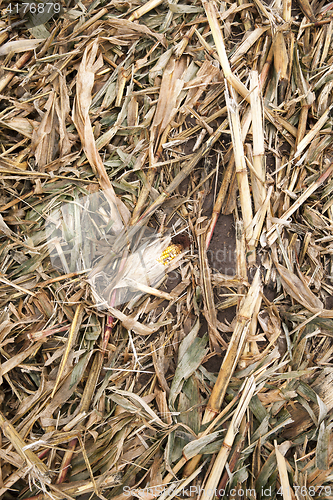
pixel 166 250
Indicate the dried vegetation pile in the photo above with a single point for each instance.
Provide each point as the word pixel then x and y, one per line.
pixel 180 113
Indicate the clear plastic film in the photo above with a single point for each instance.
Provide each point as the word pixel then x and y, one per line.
pixel 120 267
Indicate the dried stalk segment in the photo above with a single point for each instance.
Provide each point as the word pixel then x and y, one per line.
pixel 258 180
pixel 221 459
pixel 281 62
pixel 231 358
pixel 234 349
pixel 307 101
pixel 144 9
pixel 241 170
pixel 212 16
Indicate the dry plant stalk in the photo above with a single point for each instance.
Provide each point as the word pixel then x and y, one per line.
pixel 306 101
pixel 147 7
pixel 281 63
pixel 222 457
pixel 241 170
pixel 307 9
pixel 283 473
pixel 286 14
pixel 5 80
pixel 253 350
pixel 259 218
pixel 212 16
pixel 235 349
pixel 258 181
pixel 241 264
pixel 71 340
pixel 91 21
pixel 231 358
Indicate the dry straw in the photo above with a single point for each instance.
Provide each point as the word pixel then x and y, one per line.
pixel 209 127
